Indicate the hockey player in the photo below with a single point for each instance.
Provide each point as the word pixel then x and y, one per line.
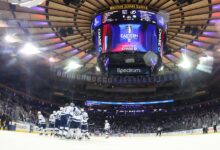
pixel 159 131
pixel 65 118
pixel 75 121
pixel 62 121
pixel 41 123
pixel 107 128
pixel 57 122
pixel 214 124
pixel 52 123
pixel 84 124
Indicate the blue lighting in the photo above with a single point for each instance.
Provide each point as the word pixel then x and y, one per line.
pixel 161 21
pixel 97 21
pixel 91 103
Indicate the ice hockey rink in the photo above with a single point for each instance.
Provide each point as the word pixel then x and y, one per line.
pixel 26 141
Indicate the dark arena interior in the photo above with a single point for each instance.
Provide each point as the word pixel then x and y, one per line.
pixel 109 74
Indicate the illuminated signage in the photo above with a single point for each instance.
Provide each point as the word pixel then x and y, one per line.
pixel 100 40
pixel 159 40
pixel 129 47
pixel 129 33
pixel 97 21
pixel 129 36
pixel 128 6
pixel 128 70
pixel 128 30
pixel 92 102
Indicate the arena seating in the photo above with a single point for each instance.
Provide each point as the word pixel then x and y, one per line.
pixel 17 107
pixel 177 119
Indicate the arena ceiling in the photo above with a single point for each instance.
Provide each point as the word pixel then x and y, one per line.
pixel 41 24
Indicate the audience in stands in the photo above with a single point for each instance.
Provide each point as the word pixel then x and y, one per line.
pixel 20 108
pixel 14 107
pixel 198 116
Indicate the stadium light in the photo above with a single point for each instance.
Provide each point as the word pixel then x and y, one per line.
pixel 26 3
pixel 10 39
pixel 51 59
pixel 29 49
pixel 161 68
pixel 97 69
pixel 73 65
pixel 185 63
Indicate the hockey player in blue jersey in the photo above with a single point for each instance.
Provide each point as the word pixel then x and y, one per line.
pixel 84 124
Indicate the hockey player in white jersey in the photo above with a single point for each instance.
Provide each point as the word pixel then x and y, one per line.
pixel 52 119
pixel 57 122
pixel 84 124
pixel 60 126
pixel 41 123
pixel 67 110
pixel 75 123
pixel 107 128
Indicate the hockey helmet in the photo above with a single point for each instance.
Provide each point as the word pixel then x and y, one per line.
pixel 72 104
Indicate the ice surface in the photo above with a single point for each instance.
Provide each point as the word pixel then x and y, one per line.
pixel 25 141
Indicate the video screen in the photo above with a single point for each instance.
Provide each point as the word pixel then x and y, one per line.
pixel 129 37
pixel 128 31
pixel 128 15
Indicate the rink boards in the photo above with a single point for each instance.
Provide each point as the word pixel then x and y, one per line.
pixel 26 127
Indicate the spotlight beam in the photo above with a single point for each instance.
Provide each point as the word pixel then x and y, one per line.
pixel 73 65
pixel 29 49
pixel 185 63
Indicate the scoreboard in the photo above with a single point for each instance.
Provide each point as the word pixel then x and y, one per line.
pixel 132 15
pixel 125 38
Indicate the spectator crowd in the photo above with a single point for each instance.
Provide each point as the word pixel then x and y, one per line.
pixel 184 118
pixel 16 107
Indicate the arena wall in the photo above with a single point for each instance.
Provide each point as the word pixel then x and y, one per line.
pixel 24 127
pixel 27 127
